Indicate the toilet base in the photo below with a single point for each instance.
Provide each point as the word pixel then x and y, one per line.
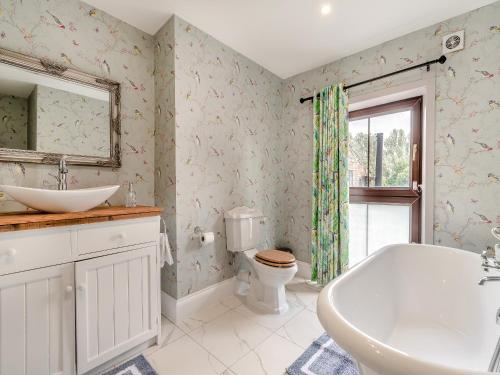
pixel 262 297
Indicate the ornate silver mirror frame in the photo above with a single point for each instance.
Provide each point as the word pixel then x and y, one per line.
pixel 46 67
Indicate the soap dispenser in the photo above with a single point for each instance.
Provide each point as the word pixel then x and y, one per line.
pixel 130 200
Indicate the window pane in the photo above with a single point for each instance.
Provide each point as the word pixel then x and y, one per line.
pixel 390 150
pixel 357 233
pixel 387 224
pixel 358 153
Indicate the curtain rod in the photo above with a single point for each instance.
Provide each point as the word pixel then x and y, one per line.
pixel 441 60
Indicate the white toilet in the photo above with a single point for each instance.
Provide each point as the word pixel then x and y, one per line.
pixel 262 274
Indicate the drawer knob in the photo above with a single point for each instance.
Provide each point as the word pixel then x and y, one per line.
pixel 122 236
pixel 69 289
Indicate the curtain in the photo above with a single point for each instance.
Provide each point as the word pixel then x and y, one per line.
pixel 330 187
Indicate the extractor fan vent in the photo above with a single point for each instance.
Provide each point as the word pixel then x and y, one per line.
pixel 453 42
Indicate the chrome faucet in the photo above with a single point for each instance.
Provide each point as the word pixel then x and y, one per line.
pixel 63 172
pixel 486 264
pixel 485 279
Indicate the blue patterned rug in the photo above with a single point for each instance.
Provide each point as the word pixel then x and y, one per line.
pixel 136 366
pixel 324 357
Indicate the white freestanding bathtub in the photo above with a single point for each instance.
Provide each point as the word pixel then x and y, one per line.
pixel 414 310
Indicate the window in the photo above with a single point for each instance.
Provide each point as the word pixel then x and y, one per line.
pixel 384 176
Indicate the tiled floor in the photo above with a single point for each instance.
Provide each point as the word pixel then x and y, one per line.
pixel 228 338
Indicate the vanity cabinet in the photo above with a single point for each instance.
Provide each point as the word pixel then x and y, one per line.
pixel 37 330
pixel 114 309
pixel 75 298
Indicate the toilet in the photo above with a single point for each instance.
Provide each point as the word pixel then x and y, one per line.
pixel 262 274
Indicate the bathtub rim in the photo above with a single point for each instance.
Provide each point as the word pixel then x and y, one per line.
pixel 367 350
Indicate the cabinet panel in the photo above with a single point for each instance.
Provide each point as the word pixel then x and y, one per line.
pixel 109 305
pixel 99 238
pixel 37 317
pixel 42 248
pixel 37 322
pixel 121 272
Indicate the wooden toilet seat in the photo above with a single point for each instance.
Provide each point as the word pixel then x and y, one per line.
pixel 275 258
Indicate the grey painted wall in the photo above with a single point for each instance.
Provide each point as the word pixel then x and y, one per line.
pixel 76 35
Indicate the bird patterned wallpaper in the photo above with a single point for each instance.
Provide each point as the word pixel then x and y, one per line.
pixel 69 123
pixel 165 145
pixel 75 34
pixel 13 122
pixel 230 133
pixel 467 134
pixel 228 149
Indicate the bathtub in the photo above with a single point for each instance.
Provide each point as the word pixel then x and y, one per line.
pixel 414 310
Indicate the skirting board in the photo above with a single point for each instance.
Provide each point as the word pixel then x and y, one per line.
pixel 304 270
pixel 173 308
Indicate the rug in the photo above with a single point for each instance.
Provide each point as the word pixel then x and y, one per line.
pixel 324 357
pixel 136 366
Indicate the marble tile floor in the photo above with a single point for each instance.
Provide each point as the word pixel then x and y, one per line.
pixel 228 338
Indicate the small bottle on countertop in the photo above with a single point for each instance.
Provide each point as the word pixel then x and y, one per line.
pixel 130 200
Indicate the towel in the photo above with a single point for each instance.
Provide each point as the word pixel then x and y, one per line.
pixel 165 250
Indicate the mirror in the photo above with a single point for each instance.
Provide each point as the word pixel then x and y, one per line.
pixel 48 111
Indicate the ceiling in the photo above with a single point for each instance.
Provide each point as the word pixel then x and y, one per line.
pixel 291 36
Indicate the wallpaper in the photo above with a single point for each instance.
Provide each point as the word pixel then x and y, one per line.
pixel 69 123
pixel 205 129
pixel 228 150
pixel 81 37
pixel 13 122
pixel 467 145
pixel 165 148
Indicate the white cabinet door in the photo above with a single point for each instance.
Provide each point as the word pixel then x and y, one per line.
pixel 116 305
pixel 37 322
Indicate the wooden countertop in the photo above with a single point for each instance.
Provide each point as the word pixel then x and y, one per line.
pixel 13 221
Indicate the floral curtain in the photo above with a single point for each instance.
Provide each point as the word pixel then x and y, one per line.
pixel 330 193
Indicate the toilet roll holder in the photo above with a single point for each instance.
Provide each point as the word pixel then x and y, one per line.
pixel 199 234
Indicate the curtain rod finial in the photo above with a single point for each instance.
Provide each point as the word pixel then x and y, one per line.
pixel 442 59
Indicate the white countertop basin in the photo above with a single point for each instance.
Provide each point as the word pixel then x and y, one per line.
pixel 58 201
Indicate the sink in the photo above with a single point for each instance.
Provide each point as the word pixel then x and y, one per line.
pixel 57 201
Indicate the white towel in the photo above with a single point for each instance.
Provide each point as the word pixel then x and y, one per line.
pixel 165 250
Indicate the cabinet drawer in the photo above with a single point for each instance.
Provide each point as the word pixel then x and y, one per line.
pixel 92 239
pixel 23 251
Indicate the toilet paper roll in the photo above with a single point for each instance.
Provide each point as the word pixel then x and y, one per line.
pixel 206 238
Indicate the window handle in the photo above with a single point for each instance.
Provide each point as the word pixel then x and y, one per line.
pixel 417 187
pixel 414 153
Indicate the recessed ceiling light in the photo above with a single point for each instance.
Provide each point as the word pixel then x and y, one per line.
pixel 326 9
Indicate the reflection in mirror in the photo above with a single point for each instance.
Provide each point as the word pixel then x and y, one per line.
pixel 49 115
pixel 48 110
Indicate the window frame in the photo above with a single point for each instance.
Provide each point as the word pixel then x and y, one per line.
pixel 397 195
